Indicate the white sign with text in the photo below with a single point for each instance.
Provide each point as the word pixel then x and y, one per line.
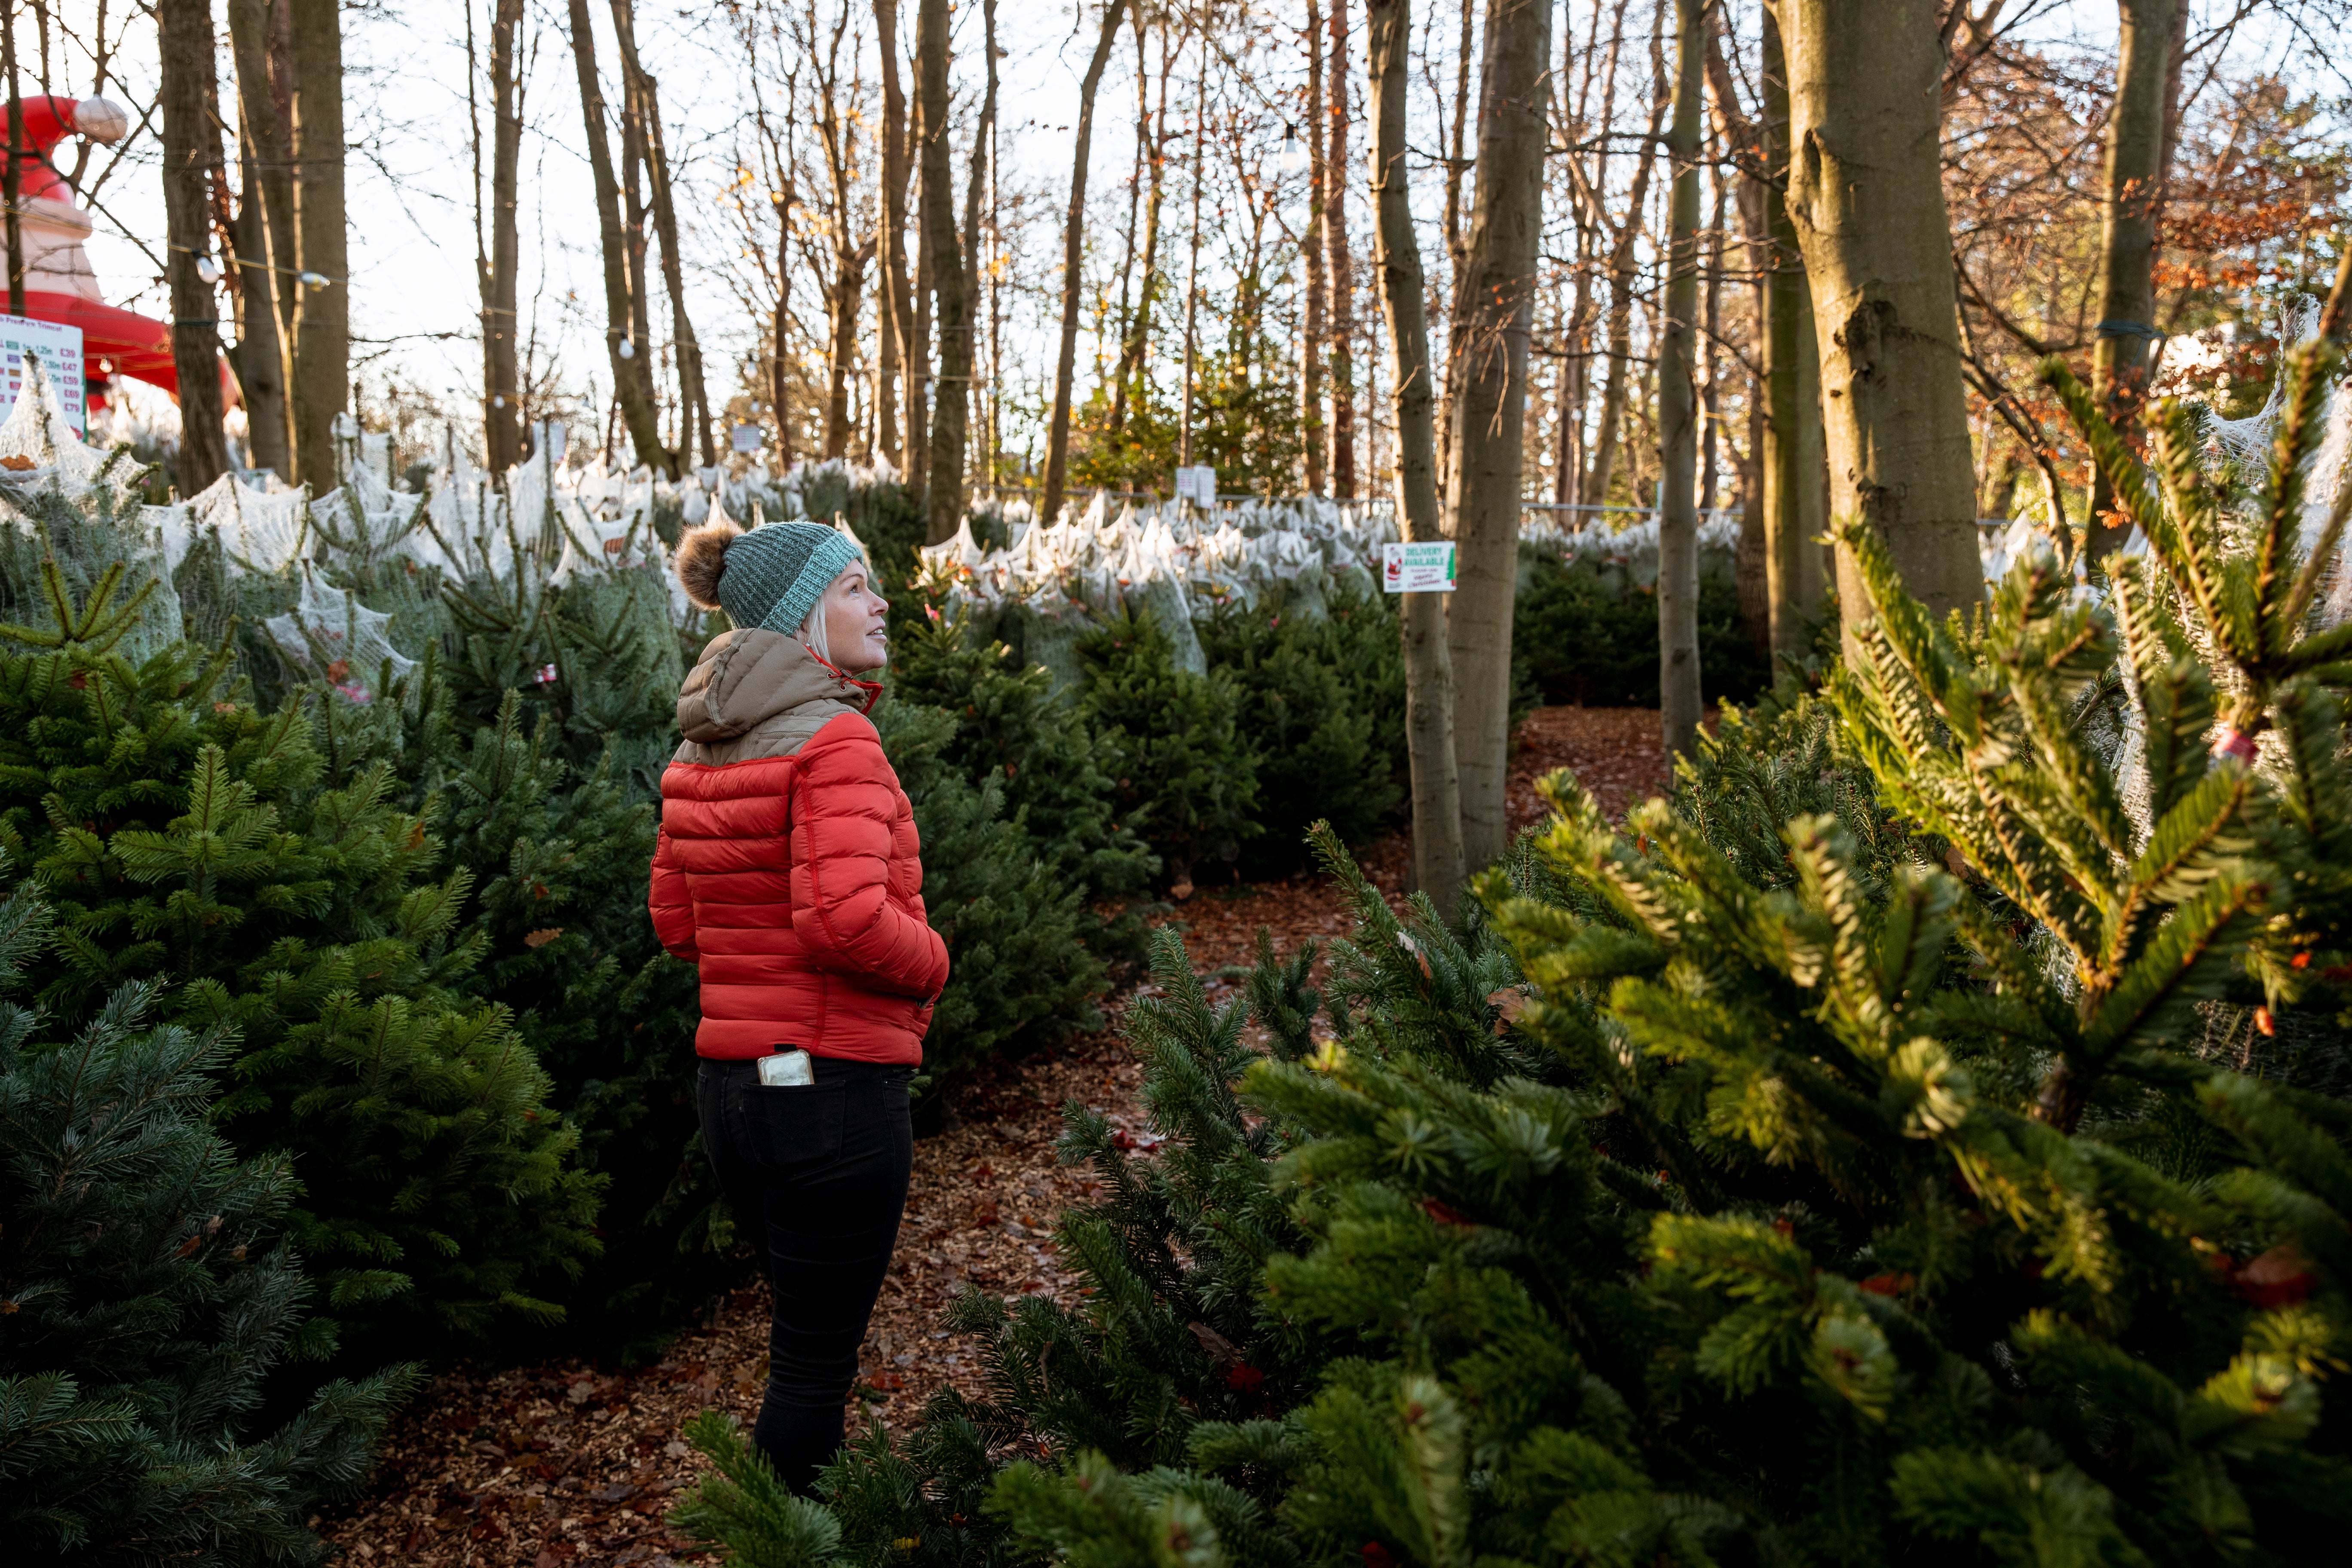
pixel 58 348
pixel 1426 568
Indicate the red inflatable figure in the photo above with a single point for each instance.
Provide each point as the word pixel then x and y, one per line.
pixel 59 285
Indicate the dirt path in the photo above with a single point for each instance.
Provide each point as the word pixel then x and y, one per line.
pixel 569 1463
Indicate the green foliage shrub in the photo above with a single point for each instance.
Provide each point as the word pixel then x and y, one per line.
pixel 194 843
pixel 1586 637
pixel 1021 974
pixel 1322 713
pixel 1182 774
pixel 145 1294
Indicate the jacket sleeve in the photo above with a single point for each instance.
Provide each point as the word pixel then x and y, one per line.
pixel 845 796
pixel 671 903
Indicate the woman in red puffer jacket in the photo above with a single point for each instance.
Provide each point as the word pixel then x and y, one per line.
pixel 787 870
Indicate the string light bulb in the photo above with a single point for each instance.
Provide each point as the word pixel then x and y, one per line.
pixel 1294 150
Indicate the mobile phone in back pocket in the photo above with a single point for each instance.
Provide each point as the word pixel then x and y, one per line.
pixel 787 1070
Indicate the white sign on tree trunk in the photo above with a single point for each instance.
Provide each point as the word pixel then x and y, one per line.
pixel 58 348
pixel 1425 568
pixel 1198 485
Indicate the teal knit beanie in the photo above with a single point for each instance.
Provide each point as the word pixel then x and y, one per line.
pixel 776 573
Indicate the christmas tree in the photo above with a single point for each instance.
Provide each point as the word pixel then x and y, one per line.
pixel 146 1295
pixel 1862 1190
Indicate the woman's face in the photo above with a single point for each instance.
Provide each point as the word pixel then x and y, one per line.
pixel 855 616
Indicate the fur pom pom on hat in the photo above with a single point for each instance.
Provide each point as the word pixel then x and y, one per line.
pixel 770 577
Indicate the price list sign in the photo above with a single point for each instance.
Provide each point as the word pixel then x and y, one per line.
pixel 58 348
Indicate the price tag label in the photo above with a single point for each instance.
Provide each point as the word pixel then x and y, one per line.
pixel 58 348
pixel 1425 568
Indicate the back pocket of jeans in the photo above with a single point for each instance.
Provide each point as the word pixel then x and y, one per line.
pixel 788 1128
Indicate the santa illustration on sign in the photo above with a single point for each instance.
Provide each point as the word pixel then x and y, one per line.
pixel 59 284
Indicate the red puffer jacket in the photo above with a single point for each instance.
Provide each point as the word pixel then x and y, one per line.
pixel 787 863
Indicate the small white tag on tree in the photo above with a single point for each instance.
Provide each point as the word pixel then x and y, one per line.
pixel 1422 568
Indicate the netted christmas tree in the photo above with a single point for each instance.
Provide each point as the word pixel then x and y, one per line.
pixel 146 1294
pixel 265 876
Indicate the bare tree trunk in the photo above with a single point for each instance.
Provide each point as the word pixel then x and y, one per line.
pixel 502 436
pixel 191 161
pixel 265 241
pixel 1494 302
pixel 1795 498
pixel 1316 243
pixel 983 169
pixel 1342 267
pixel 625 350
pixel 1456 164
pixel 694 414
pixel 1192 270
pixel 1057 438
pixel 1131 352
pixel 1866 196
pixel 1437 858
pixel 1624 280
pixel 950 286
pixel 320 387
pixel 2131 202
pixel 12 178
pixel 894 325
pixel 1678 671
pixel 918 352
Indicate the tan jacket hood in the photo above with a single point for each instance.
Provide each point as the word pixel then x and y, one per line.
pixel 746 680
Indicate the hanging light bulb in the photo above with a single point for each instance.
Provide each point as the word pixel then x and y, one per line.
pixel 207 270
pixel 313 279
pixel 1294 150
pixel 628 349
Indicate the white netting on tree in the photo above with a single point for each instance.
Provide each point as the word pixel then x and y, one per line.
pixel 330 635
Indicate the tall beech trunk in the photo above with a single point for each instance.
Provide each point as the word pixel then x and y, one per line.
pixel 894 320
pixel 1437 858
pixel 1796 498
pixel 694 433
pixel 1493 308
pixel 321 388
pixel 950 288
pixel 1138 332
pixel 983 171
pixel 1341 267
pixel 191 161
pixel 2131 204
pixel 1311 324
pixel 1192 267
pixel 265 237
pixel 628 356
pixel 502 427
pixel 1066 357
pixel 1678 671
pixel 1866 199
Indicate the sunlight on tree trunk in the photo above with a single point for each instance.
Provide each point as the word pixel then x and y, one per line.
pixel 1796 518
pixel 1866 197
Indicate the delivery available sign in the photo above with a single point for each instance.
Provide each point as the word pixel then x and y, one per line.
pixel 1426 568
pixel 58 348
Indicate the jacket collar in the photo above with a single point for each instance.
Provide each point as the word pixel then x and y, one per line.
pixel 746 678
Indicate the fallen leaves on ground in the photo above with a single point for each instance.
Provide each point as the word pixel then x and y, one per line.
pixel 568 1464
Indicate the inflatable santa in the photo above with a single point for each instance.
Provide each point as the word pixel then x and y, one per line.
pixel 59 284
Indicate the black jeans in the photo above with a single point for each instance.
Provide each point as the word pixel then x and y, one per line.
pixel 819 1175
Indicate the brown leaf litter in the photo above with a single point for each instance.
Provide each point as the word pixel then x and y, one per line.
pixel 570 1463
